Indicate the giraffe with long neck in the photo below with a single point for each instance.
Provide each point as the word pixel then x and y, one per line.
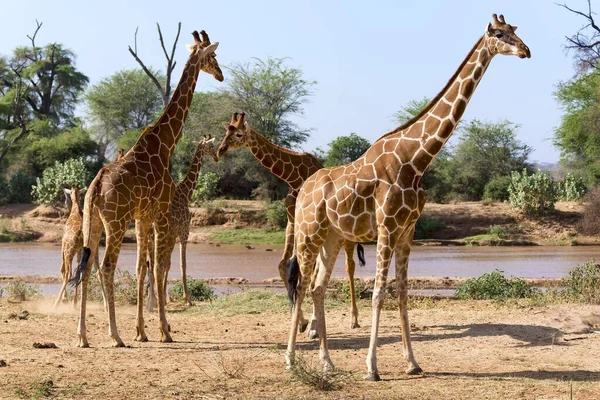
pixel 138 187
pixel 379 197
pixel 292 168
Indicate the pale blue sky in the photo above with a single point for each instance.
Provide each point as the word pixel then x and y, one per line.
pixel 369 57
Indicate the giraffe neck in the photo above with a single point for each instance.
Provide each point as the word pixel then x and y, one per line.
pixel 75 208
pixel 169 126
pixel 188 183
pixel 424 136
pixel 279 161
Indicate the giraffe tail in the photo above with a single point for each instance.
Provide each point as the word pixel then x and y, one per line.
pixel 292 277
pixel 80 271
pixel 360 252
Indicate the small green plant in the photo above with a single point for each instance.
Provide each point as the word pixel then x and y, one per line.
pixel 341 289
pixel 500 232
pixel 311 373
pixel 571 188
pixel 497 188
pixel 234 366
pixel 5 225
pixel 37 390
pixel 277 214
pixel 125 287
pixel 494 286
pixel 197 288
pixel 532 194
pixel 583 283
pixel 48 190
pixel 206 189
pixel 426 226
pixel 20 291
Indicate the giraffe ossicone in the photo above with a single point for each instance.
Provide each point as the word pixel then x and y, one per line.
pixel 379 198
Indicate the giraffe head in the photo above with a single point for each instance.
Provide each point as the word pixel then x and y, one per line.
pixel 206 51
pixel 500 38
pixel 72 195
pixel 205 147
pixel 236 134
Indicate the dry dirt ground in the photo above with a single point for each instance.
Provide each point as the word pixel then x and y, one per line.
pixel 468 350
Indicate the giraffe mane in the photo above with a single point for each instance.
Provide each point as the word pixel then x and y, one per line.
pixel 283 149
pixel 437 97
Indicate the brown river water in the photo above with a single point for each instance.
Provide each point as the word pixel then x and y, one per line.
pixel 208 261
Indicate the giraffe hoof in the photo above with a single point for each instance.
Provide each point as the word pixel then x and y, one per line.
pixel 118 343
pixel 374 377
pixel 166 338
pixel 303 327
pixel 312 334
pixel 354 325
pixel 83 344
pixel 414 371
pixel 141 338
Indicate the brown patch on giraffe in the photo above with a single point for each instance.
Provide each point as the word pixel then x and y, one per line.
pixel 467 88
pixel 408 149
pixel 407 173
pixel 477 73
pixel 431 125
pixel 373 152
pixel 452 93
pixel 421 160
pixel 459 108
pixel 442 109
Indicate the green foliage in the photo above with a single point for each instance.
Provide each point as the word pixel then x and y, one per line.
pixel 583 283
pixel 4 192
pixel 197 288
pixel 341 289
pixel 207 187
pixel 532 194
pixel 497 188
pixel 427 226
pixel 345 149
pixel 123 104
pixel 571 188
pixel 20 291
pixel 494 286
pixel 411 109
pixel 48 189
pixel 277 214
pixel 249 236
pixel 253 301
pixel 20 188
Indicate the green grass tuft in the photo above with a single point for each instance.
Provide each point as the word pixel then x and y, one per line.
pixel 250 236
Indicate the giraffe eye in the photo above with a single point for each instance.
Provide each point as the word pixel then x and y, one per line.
pixel 499 34
pixel 239 134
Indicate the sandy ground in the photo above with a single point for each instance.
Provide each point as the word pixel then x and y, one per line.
pixel 468 350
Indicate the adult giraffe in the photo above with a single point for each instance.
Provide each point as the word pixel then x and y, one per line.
pixel 292 168
pixel 379 197
pixel 138 186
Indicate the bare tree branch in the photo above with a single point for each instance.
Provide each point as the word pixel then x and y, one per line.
pixel 32 38
pixel 586 48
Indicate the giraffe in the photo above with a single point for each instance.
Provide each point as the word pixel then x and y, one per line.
pixel 181 216
pixel 293 168
pixel 379 197
pixel 72 243
pixel 138 186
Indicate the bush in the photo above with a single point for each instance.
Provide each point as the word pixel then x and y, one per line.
pixel 207 187
pixel 583 283
pixel 198 289
pixel 20 291
pixel 4 192
pixel 48 189
pixel 494 286
pixel 571 188
pixel 590 223
pixel 532 194
pixel 426 226
pixel 497 188
pixel 20 188
pixel 277 214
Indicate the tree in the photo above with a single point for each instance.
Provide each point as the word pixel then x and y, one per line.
pixel 411 109
pixel 577 136
pixel 125 102
pixel 585 43
pixel 487 150
pixel 345 149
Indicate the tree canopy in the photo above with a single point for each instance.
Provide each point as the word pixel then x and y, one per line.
pixel 345 149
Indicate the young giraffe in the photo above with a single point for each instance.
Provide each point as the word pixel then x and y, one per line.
pixel 181 216
pixel 138 186
pixel 293 168
pixel 379 197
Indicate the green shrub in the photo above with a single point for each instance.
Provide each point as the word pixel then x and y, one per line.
pixel 341 289
pixel 207 188
pixel 4 192
pixel 571 188
pixel 197 288
pixel 583 283
pixel 48 189
pixel 20 188
pixel 494 286
pixel 277 214
pixel 426 226
pixel 20 291
pixel 497 188
pixel 532 194
pixel 591 214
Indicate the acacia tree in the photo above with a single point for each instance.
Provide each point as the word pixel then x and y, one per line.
pixel 585 43
pixel 345 149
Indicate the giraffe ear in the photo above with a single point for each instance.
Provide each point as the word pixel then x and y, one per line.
pixel 211 48
pixel 226 125
pixel 82 191
pixel 514 28
pixel 211 140
pixel 489 28
pixel 67 191
pixel 189 48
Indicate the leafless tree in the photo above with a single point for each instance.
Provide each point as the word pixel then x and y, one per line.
pixel 585 43
pixel 165 91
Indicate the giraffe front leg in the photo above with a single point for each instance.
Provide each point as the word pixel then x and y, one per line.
pixel 350 267
pixel 384 255
pixel 150 268
pixel 183 266
pixel 402 254
pixel 65 279
pixel 142 230
pixel 161 232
